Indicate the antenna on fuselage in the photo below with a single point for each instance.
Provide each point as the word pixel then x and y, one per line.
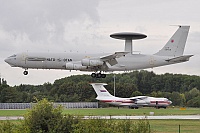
pixel 128 37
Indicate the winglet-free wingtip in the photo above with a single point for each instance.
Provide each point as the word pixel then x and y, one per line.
pixel 176 25
pixel 180 25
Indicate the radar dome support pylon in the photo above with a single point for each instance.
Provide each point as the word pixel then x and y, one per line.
pixel 128 37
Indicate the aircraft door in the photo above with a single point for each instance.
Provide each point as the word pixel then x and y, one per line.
pixel 23 60
pixel 156 102
pixel 152 61
pixel 157 105
pixel 44 66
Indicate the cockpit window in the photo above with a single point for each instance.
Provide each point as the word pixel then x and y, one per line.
pixel 13 55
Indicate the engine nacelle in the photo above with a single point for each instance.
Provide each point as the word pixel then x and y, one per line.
pixel 91 62
pixel 72 66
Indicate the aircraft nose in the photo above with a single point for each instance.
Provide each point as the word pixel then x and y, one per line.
pixel 9 61
pixel 170 102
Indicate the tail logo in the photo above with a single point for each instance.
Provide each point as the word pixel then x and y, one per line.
pixel 167 49
pixel 172 40
pixel 102 90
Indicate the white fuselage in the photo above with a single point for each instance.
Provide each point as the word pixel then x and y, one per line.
pixel 147 102
pixel 59 61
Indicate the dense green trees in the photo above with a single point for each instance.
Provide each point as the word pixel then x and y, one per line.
pixel 183 90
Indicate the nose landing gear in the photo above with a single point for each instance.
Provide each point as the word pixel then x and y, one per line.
pixel 25 72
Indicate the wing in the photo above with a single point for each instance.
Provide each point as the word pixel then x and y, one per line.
pixel 111 59
pixel 138 98
pixel 96 63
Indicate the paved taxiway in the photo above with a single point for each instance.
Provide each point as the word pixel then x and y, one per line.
pixel 183 117
pixel 11 117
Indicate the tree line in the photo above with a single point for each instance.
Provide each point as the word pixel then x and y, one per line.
pixel 182 90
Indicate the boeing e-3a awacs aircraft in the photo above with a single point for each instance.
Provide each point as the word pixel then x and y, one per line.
pixel 133 102
pixel 171 53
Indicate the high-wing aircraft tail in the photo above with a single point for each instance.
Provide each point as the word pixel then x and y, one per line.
pixel 176 44
pixel 101 90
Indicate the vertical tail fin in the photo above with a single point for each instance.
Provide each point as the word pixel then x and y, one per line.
pixel 101 90
pixel 176 44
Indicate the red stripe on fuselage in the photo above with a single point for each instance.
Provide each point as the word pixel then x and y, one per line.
pixel 121 101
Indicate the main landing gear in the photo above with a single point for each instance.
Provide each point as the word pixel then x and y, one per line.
pixel 25 72
pixel 98 75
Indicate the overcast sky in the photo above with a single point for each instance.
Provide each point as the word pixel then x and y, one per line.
pixel 85 26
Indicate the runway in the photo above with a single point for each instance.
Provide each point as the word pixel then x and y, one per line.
pixel 184 117
pixel 11 117
pixel 176 117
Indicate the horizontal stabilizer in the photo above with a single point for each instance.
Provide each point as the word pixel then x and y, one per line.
pixel 180 58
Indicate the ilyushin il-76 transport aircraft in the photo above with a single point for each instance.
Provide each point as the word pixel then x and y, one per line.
pixel 171 53
pixel 133 102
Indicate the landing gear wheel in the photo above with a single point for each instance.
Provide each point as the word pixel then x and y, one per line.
pixel 99 75
pixel 93 75
pixel 25 72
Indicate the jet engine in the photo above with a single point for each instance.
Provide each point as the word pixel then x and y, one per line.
pixel 91 62
pixel 72 66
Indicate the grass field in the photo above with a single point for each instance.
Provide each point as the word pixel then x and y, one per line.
pixel 12 112
pixel 132 112
pixel 114 111
pixel 172 126
pixel 165 126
